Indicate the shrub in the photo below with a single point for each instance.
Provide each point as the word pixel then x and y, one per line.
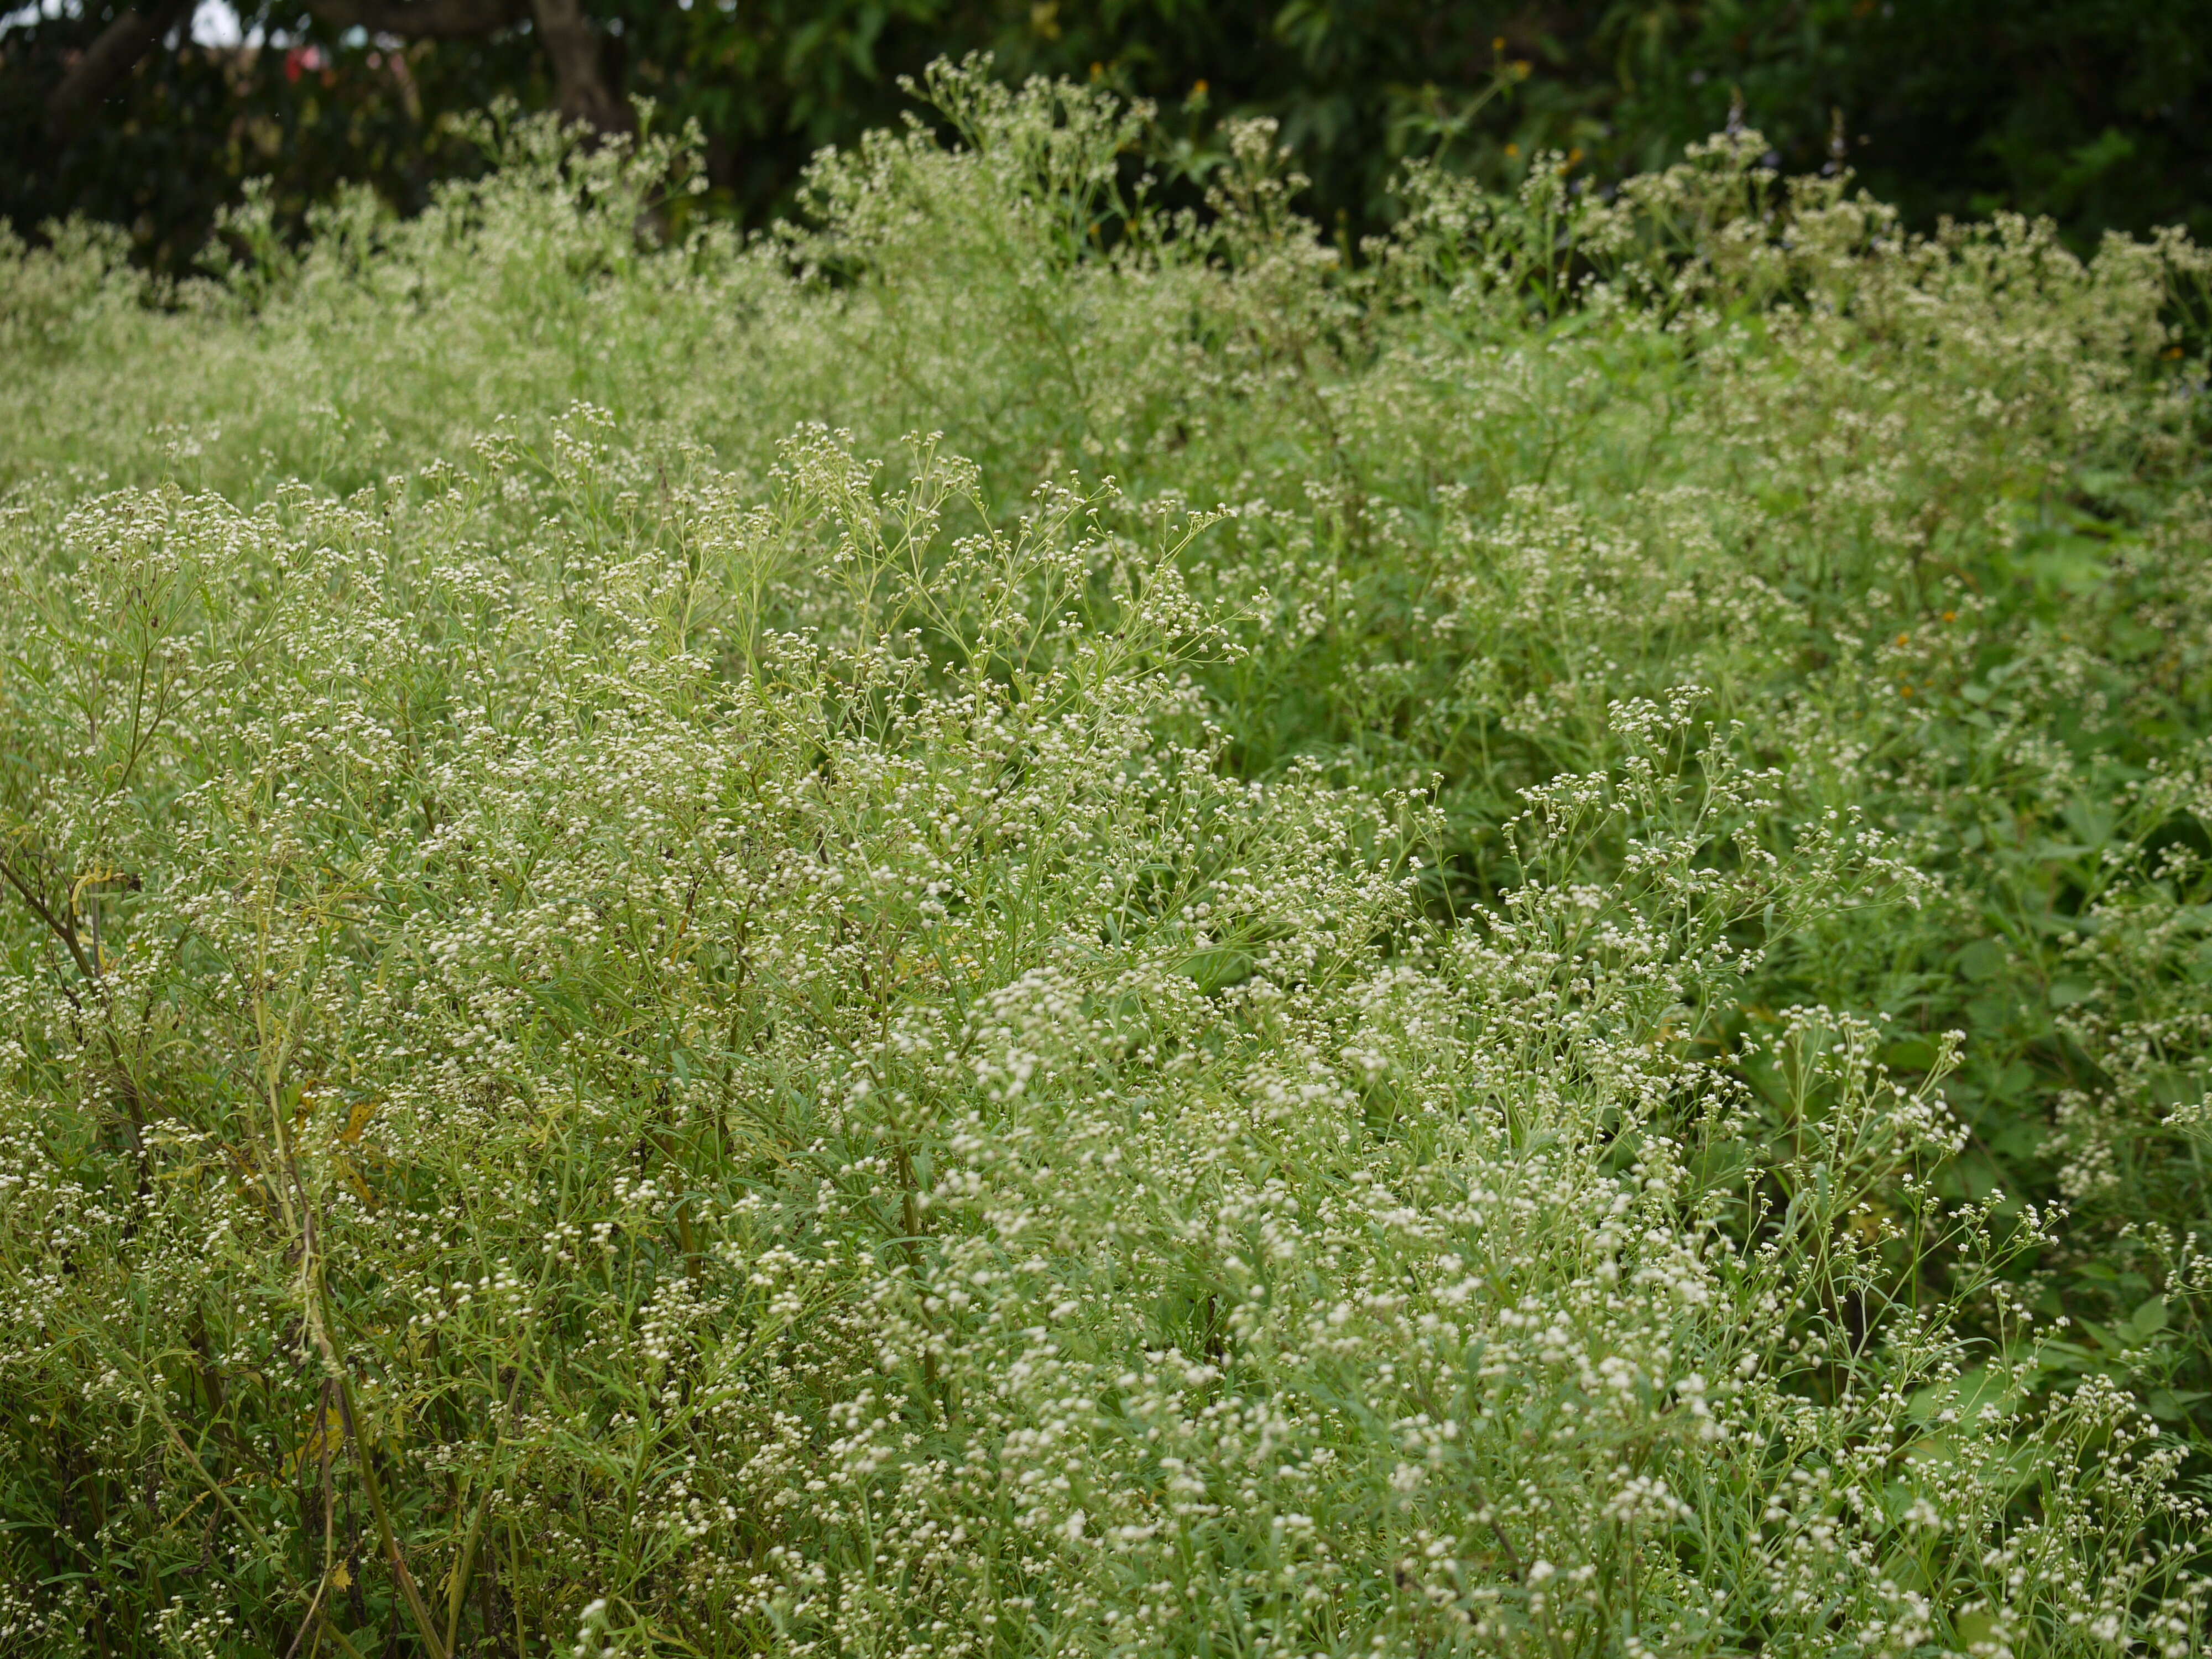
pixel 1015 925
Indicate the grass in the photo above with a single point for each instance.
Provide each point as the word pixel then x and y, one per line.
pixel 1018 924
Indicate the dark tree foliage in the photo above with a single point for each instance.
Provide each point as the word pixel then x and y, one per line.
pixel 2093 112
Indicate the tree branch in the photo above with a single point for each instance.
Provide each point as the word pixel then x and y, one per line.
pixel 105 64
pixel 571 42
pixel 419 20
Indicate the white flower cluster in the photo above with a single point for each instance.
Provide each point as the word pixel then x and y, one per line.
pixel 624 1034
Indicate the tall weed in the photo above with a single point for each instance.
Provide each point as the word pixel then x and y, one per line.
pixel 1014 925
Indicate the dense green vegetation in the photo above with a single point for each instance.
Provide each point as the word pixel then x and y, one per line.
pixel 1016 924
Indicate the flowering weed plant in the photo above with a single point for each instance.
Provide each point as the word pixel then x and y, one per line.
pixel 1013 925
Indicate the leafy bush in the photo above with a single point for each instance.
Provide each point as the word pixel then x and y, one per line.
pixel 1014 924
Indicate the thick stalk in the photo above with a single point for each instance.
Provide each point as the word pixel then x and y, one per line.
pixel 424 1625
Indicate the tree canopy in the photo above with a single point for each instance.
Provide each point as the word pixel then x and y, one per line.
pixel 2092 111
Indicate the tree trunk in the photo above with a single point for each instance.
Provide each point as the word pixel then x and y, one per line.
pixel 571 41
pixel 579 86
pixel 105 64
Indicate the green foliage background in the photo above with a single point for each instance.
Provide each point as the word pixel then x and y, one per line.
pixel 2093 112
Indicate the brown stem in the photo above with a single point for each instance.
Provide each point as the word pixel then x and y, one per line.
pixel 315 1296
pixel 424 1627
pixel 62 926
pixel 222 1496
pixel 330 1515
pixel 466 1565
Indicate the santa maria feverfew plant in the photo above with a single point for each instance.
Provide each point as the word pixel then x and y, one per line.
pixel 1018 926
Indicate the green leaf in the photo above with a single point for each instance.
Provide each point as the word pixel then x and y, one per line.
pixel 2148 1320
pixel 1983 959
pixel 2170 1405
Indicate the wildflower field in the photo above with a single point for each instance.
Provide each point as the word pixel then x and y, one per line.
pixel 1016 924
